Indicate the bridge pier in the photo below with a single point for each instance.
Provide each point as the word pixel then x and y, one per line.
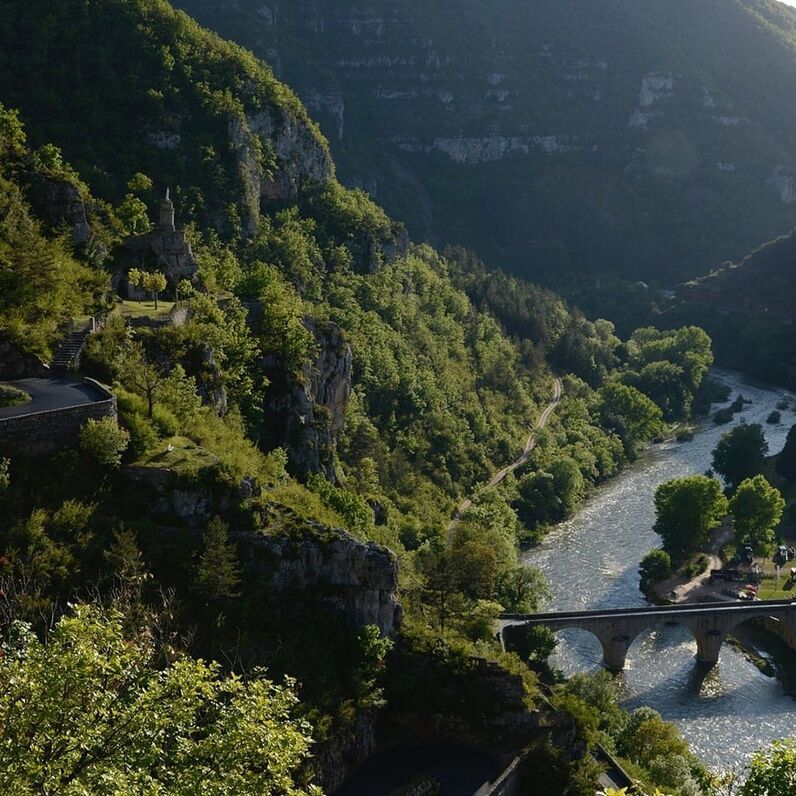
pixel 615 649
pixel 709 645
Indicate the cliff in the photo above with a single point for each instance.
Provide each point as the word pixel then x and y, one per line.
pixel 306 411
pixel 610 134
pixel 201 115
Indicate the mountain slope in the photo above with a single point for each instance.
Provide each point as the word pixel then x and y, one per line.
pixel 640 137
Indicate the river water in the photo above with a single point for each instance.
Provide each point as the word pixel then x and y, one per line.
pixel 592 561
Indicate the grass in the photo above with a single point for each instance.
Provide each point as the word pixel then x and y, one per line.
pixel 143 309
pixel 185 458
pixel 12 396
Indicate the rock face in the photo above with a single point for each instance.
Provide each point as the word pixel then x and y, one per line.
pixel 168 252
pixel 305 415
pixel 334 759
pixel 543 127
pixel 58 202
pixel 505 723
pixel 298 156
pixel 356 580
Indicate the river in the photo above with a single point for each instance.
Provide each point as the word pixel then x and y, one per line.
pixel 592 561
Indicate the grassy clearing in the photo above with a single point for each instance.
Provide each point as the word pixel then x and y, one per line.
pixel 185 458
pixel 143 309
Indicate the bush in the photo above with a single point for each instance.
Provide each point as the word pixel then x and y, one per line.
pixel 12 396
pixel 143 435
pixel 774 418
pixel 165 422
pixel 655 567
pixel 103 441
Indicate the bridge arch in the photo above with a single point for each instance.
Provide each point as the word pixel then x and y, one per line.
pixel 616 629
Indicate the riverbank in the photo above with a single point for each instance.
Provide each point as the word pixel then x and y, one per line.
pixel 592 561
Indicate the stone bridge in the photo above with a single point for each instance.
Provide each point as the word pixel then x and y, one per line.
pixel 617 628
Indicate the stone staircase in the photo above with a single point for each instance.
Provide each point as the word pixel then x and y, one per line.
pixel 69 350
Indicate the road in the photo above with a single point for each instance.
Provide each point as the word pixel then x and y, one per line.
pixel 55 393
pixel 529 446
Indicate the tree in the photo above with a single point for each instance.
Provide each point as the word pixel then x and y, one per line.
pixel 667 385
pixel 640 418
pixel 655 567
pixel 646 736
pixel 740 453
pixel 103 441
pixel 772 771
pixel 757 509
pixel 140 374
pixel 217 569
pixel 154 282
pixel 5 475
pixel 686 510
pixel 135 277
pixel 87 711
pixel 786 460
pixel 133 214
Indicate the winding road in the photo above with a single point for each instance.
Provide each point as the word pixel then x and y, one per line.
pixel 529 446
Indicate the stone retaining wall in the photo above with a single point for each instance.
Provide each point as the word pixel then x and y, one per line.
pixel 40 433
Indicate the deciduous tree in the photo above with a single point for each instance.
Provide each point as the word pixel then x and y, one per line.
pixel 740 453
pixel 757 509
pixel 686 510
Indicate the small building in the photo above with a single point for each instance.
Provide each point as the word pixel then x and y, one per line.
pixel 165 249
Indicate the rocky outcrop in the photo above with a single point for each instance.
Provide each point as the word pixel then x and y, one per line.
pixel 298 152
pixel 58 203
pixel 210 385
pixel 306 413
pixel 335 758
pixel 355 580
pixel 162 250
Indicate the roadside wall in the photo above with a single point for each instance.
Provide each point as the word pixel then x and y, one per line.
pixel 40 433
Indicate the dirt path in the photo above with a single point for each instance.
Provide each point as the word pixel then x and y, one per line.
pixel 529 446
pixel 699 588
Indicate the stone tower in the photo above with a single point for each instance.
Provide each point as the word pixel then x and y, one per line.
pixel 167 214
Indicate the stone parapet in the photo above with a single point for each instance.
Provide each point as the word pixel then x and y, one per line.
pixel 42 433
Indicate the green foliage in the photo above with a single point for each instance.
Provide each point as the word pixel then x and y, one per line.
pixel 634 417
pixel 89 710
pixel 103 441
pixel 686 510
pixel 172 70
pixel 655 567
pixel 12 396
pixel 740 453
pixel 772 771
pixel 756 509
pixel 647 737
pixel 217 570
pixel 354 508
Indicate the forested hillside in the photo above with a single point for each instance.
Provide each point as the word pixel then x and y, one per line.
pixel 297 420
pixel 617 136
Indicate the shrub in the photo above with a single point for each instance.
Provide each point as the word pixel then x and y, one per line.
pixel 655 567
pixel 143 435
pixel 12 396
pixel 103 441
pixel 774 418
pixel 165 422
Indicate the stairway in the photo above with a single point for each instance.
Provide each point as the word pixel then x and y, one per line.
pixel 69 350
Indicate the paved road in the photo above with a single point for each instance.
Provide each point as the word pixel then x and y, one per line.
pixel 55 393
pixel 529 446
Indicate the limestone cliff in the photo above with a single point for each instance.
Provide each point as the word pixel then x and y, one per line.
pixel 358 581
pixel 306 412
pixel 58 203
pixel 530 129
